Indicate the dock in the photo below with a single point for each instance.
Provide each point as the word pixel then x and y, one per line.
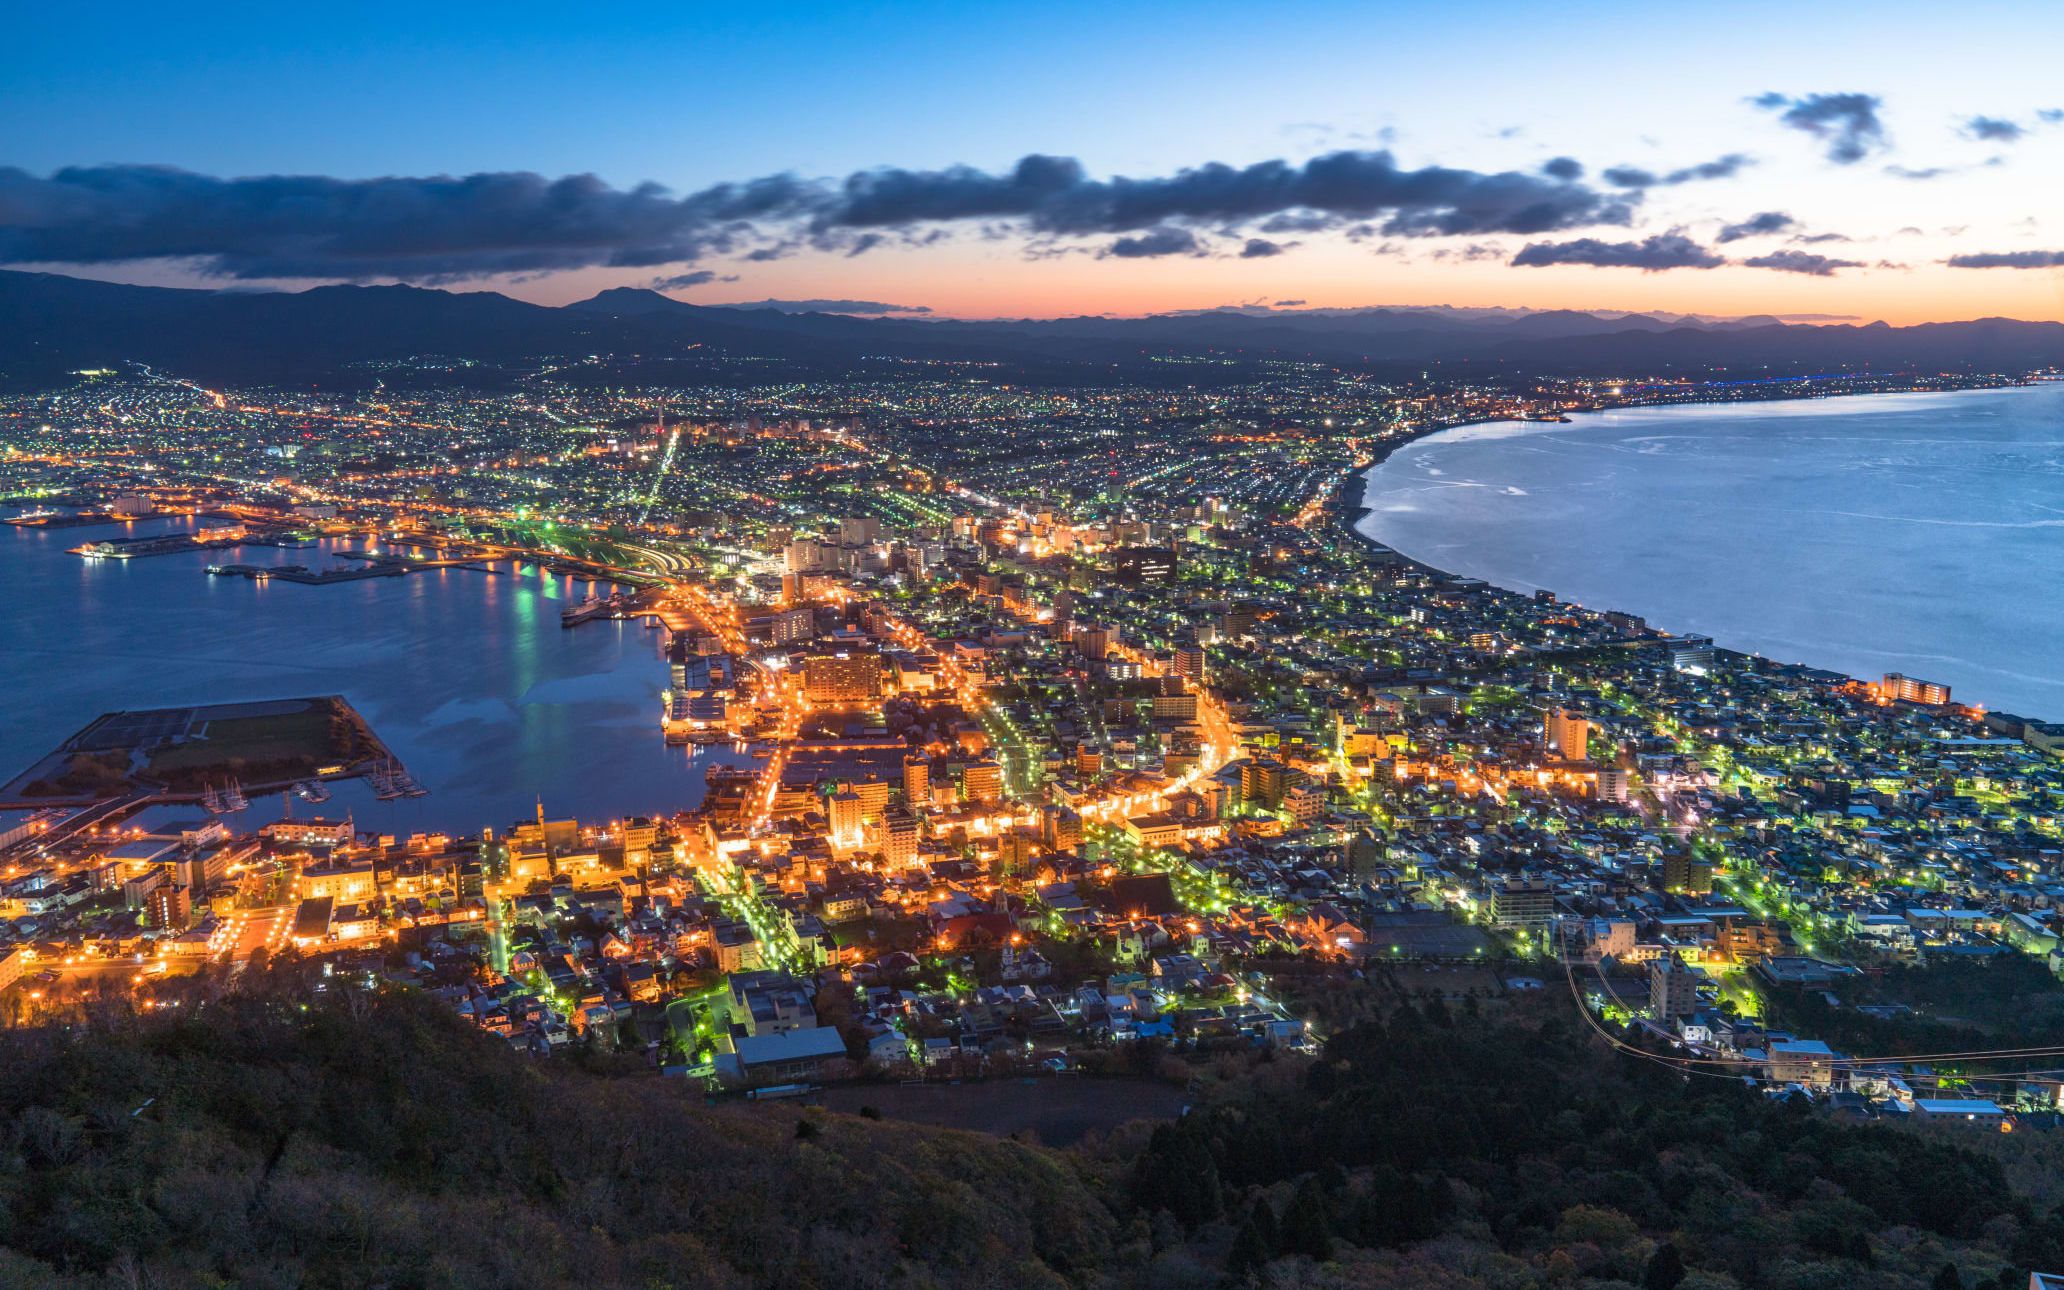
pixel 303 574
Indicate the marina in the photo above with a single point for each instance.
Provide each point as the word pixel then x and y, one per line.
pixel 469 680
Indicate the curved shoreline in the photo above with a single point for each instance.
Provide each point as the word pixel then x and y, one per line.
pixel 1352 514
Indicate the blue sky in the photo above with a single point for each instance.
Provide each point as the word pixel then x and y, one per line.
pixel 689 95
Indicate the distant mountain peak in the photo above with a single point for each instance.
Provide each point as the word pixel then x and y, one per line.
pixel 628 301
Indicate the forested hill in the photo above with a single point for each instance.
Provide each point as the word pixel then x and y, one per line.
pixel 274 1138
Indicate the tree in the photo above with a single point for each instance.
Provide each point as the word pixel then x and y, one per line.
pixel 1251 1248
pixel 1306 1229
pixel 1177 1173
pixel 1947 1279
pixel 1665 1268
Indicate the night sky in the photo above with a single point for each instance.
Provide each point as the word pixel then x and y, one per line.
pixel 1893 161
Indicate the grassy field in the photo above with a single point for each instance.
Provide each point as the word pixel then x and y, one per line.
pixel 280 745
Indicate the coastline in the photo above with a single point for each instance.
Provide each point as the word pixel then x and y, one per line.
pixel 1349 516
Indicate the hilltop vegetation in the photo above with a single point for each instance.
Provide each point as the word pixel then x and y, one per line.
pixel 374 1140
pixel 278 1138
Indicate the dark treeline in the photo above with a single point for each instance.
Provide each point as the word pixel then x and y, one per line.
pixel 270 1136
pixel 1529 1153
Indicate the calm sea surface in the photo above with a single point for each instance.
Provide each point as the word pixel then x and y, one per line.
pixel 467 676
pixel 1917 533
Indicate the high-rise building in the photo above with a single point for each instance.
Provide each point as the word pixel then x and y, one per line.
pixel 1566 734
pixel 1687 874
pixel 917 777
pixel 1061 828
pixel 1522 903
pixel 1189 661
pixel 1093 640
pixel 846 818
pixel 899 838
pixel 981 781
pixel 1262 781
pixel 1615 783
pixel 1672 989
pixel 168 908
pixel 842 678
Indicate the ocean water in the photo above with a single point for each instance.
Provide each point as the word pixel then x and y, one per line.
pixel 1915 533
pixel 468 677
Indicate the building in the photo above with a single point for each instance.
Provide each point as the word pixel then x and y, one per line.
pixel 846 814
pixel 312 922
pixel 13 960
pixel 982 781
pixel 346 882
pixel 842 678
pixel 782 626
pixel 1567 735
pixel 1093 640
pixel 917 776
pixel 1142 564
pixel 1672 989
pixel 168 908
pixel 308 834
pixel 1966 1112
pixel 1263 782
pixel 1522 903
pixel 1687 874
pixel 782 1058
pixel 1615 783
pixel 1304 802
pixel 1802 1061
pixel 1061 828
pixel 1896 688
pixel 900 834
pixel 1692 655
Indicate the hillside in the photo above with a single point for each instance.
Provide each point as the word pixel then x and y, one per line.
pixel 353 1139
pixel 51 325
pixel 385 1144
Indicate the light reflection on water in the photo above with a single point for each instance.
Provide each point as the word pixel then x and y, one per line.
pixel 467 676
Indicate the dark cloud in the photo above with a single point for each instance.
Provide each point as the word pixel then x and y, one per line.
pixel 423 229
pixel 2049 116
pixel 1757 226
pixel 1053 195
pixel 442 228
pixel 828 307
pixel 1819 266
pixel 1635 177
pixel 1922 173
pixel 1302 222
pixel 697 278
pixel 1260 248
pixel 1847 123
pixel 1288 304
pixel 1993 129
pixel 1566 169
pixel 1650 255
pixel 1155 242
pixel 2008 260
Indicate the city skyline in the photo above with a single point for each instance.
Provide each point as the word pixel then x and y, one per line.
pixel 1409 159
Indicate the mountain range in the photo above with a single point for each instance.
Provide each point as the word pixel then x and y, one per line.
pixel 52 325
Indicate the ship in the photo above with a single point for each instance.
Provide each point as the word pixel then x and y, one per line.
pixel 223 801
pixel 310 790
pixel 391 781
